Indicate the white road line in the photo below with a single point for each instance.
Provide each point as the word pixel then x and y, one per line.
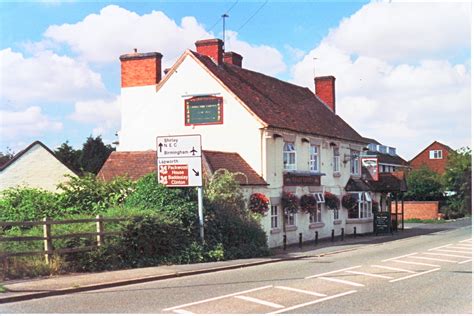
pixel 341 281
pixel 462 248
pixel 217 298
pixel 414 275
pixel 440 247
pixel 454 251
pixel 470 240
pixel 370 274
pixel 434 259
pixel 300 291
pixel 312 302
pixel 392 268
pixel 390 259
pixel 261 302
pixel 181 311
pixel 326 273
pixel 465 261
pixel 417 263
pixel 445 254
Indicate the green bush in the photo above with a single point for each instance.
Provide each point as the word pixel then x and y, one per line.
pixel 424 185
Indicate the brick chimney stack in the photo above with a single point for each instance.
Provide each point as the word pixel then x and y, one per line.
pixel 212 48
pixel 233 58
pixel 140 69
pixel 325 89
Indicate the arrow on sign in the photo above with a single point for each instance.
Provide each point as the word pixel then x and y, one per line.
pixel 160 145
pixel 196 173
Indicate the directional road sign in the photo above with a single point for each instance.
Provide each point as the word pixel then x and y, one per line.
pixel 179 160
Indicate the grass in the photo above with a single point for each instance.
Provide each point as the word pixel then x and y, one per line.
pixel 425 221
pixel 2 289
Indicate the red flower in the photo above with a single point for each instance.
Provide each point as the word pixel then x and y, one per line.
pixel 289 202
pixel 331 200
pixel 259 203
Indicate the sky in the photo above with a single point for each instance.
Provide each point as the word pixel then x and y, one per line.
pixel 403 69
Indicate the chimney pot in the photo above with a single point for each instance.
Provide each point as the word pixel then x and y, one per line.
pixel 325 89
pixel 212 48
pixel 233 58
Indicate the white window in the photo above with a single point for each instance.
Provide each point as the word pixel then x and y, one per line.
pixel 372 147
pixel 436 154
pixel 289 156
pixel 290 219
pixel 335 160
pixel 364 205
pixel 336 214
pixel 315 214
pixel 319 197
pixel 314 158
pixel 274 216
pixel 355 165
pixel 392 151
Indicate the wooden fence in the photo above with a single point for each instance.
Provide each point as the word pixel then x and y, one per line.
pixel 48 250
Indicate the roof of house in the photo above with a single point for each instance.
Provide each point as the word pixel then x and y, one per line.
pixel 387 182
pixel 281 104
pixel 371 141
pixel 388 159
pixel 136 164
pixel 435 142
pixel 24 151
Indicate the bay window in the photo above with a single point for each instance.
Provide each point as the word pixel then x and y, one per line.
pixel 315 215
pixel 364 205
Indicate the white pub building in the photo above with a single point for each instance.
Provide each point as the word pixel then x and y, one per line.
pixel 280 137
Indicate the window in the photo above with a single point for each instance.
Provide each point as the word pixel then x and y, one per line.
pixel 289 156
pixel 335 160
pixel 382 149
pixel 392 151
pixel 274 216
pixel 372 147
pixel 314 158
pixel 436 154
pixel 315 215
pixel 364 205
pixel 336 214
pixel 290 219
pixel 355 162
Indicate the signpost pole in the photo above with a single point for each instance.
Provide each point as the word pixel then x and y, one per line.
pixel 201 214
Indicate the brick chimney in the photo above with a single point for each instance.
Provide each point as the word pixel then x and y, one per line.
pixel 140 69
pixel 233 58
pixel 325 89
pixel 212 48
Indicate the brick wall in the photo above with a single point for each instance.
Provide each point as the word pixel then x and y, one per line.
pixel 140 69
pixel 325 89
pixel 436 165
pixel 419 209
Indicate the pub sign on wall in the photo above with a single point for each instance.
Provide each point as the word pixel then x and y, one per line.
pixel 203 110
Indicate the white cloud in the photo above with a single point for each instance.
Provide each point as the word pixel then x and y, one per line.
pixel 30 122
pixel 104 114
pixel 398 90
pixel 46 77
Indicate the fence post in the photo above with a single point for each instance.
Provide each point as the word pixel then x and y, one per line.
pixel 48 242
pixel 100 231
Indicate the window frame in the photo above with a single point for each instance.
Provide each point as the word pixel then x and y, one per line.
pixel 290 219
pixel 287 154
pixel 314 158
pixel 274 216
pixel 436 154
pixel 355 162
pixel 336 159
pixel 315 216
pixel 364 205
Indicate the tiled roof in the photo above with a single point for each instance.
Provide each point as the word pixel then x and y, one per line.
pixel 387 182
pixel 281 104
pixel 371 141
pixel 136 164
pixel 388 159
pixel 357 185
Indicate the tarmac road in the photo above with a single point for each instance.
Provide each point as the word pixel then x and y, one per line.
pixel 424 274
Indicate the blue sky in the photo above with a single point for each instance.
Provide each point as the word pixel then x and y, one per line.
pixel 402 80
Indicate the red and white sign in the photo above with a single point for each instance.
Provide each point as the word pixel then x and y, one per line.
pixel 372 165
pixel 179 160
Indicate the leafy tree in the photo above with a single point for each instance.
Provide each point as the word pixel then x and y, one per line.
pixel 424 185
pixel 458 179
pixel 94 153
pixel 69 156
pixel 6 157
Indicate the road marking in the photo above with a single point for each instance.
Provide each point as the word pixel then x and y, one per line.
pixel 341 281
pixel 414 275
pixel 434 259
pixel 326 273
pixel 300 291
pixel 465 261
pixel 440 247
pixel 312 302
pixel 261 302
pixel 391 268
pixel 217 298
pixel 470 240
pixel 462 248
pixel 370 274
pixel 417 263
pixel 181 311
pixel 454 251
pixel 445 254
pixel 390 259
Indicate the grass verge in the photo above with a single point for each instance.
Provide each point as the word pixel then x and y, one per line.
pixel 425 221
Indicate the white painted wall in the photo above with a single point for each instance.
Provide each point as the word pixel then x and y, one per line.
pixel 36 168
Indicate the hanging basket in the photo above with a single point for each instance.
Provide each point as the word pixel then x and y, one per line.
pixel 349 202
pixel 332 201
pixel 308 203
pixel 258 203
pixel 289 202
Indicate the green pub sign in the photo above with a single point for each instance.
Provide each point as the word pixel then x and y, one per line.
pixel 203 111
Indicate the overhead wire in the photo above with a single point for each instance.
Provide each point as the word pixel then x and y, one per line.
pixel 253 15
pixel 218 20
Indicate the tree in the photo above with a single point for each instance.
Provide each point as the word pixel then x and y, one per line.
pixel 93 155
pixel 69 156
pixel 424 185
pixel 458 180
pixel 6 157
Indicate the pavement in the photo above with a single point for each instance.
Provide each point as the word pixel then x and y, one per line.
pixel 26 289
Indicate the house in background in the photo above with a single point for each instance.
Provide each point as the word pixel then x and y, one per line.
pixel 387 159
pixel 35 167
pixel 435 157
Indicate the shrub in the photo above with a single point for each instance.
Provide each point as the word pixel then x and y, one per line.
pixel 307 203
pixel 289 202
pixel 424 185
pixel 332 201
pixel 258 203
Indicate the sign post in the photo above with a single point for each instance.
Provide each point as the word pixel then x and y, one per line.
pixel 180 165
